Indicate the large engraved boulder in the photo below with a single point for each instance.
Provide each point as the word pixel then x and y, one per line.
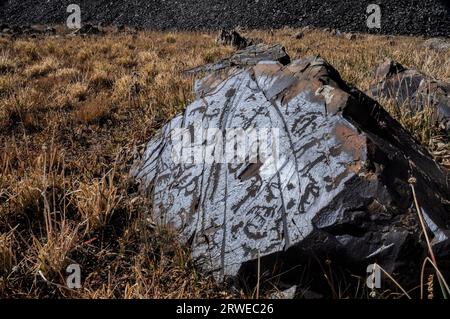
pixel 338 186
pixel 412 91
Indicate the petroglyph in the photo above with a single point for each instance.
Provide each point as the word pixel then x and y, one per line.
pixel 226 210
pixel 341 174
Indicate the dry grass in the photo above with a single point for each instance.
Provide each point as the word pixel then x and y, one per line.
pixel 75 111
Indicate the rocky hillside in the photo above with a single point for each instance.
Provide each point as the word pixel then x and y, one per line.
pixel 424 17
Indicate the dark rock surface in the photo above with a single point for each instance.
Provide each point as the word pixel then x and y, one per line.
pixel 233 38
pixel 340 190
pixel 426 17
pixel 89 29
pixel 413 90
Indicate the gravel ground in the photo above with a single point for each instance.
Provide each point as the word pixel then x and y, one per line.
pixel 418 17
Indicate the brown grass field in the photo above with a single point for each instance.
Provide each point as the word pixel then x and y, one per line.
pixel 75 112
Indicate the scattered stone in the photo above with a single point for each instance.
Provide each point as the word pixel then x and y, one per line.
pixel 306 29
pixel 88 29
pixel 36 29
pixel 350 36
pixel 339 189
pixel 285 294
pixel 335 32
pixel 248 57
pixel 413 90
pixel 5 29
pixel 50 30
pixel 299 35
pixel 31 31
pixel 438 44
pixel 233 38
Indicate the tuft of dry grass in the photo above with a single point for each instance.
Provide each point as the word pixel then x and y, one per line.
pixel 41 68
pixel 94 110
pixel 75 111
pixel 7 255
pixel 7 84
pixel 96 201
pixel 7 64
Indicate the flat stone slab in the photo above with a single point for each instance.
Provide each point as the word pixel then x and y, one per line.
pixel 249 56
